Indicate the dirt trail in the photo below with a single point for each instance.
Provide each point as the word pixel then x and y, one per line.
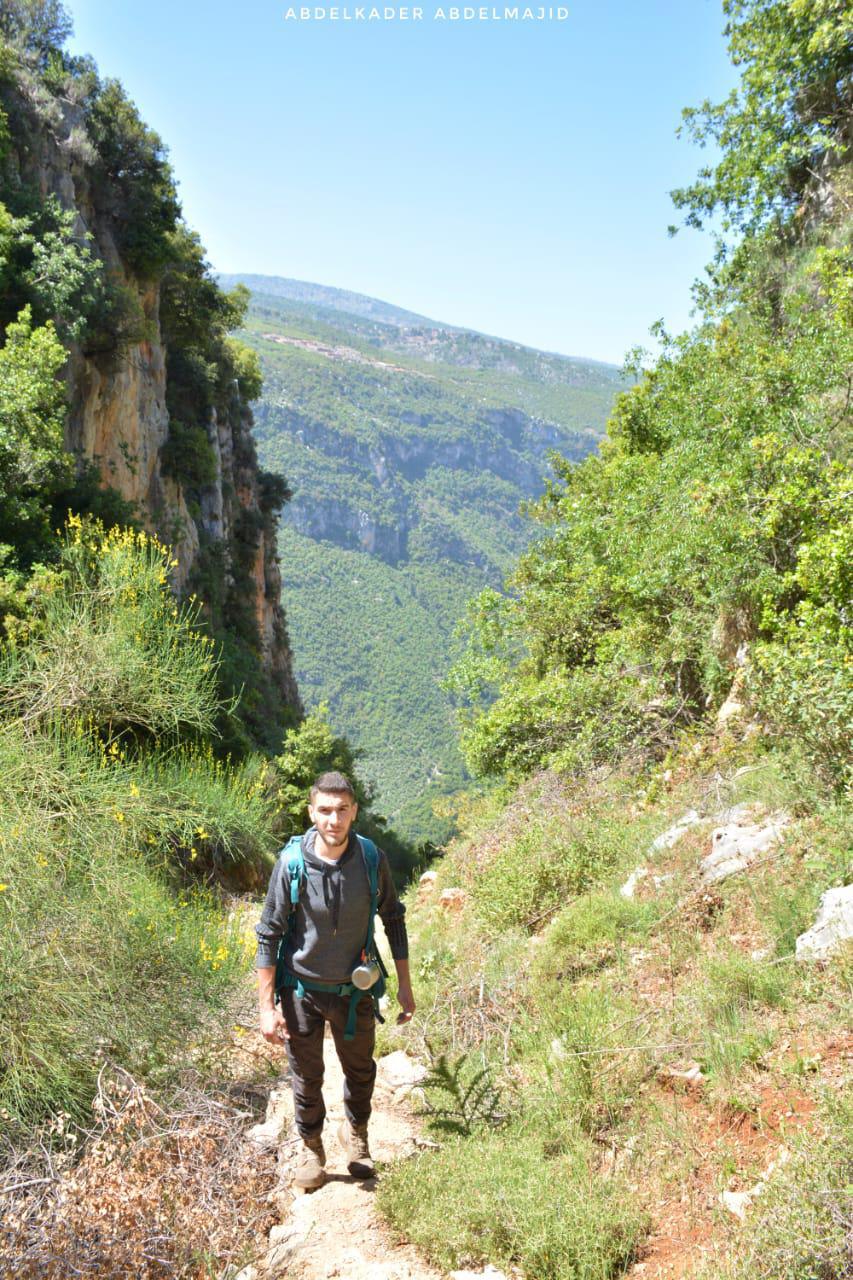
pixel 337 1231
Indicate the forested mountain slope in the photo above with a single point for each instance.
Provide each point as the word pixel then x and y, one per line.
pixel 409 447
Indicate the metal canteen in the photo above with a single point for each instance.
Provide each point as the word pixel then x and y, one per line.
pixel 365 975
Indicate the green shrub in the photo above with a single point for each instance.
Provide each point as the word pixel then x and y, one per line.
pixel 521 881
pixel 107 643
pixel 133 179
pixel 499 1198
pixel 590 931
pixel 99 954
pixel 34 465
pixel 189 456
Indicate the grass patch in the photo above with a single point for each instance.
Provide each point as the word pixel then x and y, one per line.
pixel 523 876
pixel 499 1198
pixel 107 947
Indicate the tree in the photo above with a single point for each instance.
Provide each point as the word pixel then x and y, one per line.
pixel 787 124
pixel 33 462
pixel 40 27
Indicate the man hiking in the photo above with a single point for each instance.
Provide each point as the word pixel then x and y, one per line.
pixel 315 936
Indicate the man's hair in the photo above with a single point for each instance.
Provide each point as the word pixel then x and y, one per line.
pixel 334 783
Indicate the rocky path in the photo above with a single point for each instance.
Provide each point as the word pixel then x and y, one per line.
pixel 337 1231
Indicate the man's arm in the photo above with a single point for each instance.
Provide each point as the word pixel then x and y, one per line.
pixel 270 929
pixel 393 915
pixel 272 1022
pixel 405 995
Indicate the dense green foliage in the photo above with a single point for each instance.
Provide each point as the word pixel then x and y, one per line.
pixel 409 448
pixel 312 748
pixel 113 814
pixel 105 642
pixel 576 1003
pixel 788 120
pixel 712 534
pixel 33 463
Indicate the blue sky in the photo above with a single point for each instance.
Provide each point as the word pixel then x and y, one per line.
pixel 508 176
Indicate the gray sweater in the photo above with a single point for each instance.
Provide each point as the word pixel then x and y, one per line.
pixel 332 915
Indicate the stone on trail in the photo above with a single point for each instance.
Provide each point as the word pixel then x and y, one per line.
pixel 833 925
pixel 746 836
pixel 399 1071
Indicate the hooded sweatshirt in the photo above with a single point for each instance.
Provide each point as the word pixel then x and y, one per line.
pixel 332 915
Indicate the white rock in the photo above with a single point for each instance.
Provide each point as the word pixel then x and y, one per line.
pixel 426 885
pixel 399 1071
pixel 266 1135
pixel 280 1232
pixel 832 927
pixel 743 839
pixel 248 1273
pixel 630 886
pixel 737 1202
pixel 673 834
pixel 690 1075
pixel 558 1052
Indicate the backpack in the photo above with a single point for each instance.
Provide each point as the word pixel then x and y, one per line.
pixel 284 979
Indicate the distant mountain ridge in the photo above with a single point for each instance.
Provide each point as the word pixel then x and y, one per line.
pixel 410 447
pixel 354 304
pixel 329 299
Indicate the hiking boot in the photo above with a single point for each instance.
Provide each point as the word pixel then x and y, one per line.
pixel 353 1139
pixel 310 1173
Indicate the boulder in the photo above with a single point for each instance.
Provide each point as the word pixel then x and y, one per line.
pixel 452 900
pixel 745 837
pixel 833 925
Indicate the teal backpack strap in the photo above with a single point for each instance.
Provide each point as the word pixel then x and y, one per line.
pixel 295 864
pixel 371 861
pixel 370 853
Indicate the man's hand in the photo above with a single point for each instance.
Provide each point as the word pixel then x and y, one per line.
pixel 271 1018
pixel 273 1026
pixel 406 998
pixel 405 995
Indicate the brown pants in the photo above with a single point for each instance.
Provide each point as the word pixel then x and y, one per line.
pixel 306 1020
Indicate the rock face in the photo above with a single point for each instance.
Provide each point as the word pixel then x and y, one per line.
pixel 832 928
pixel 119 419
pixel 747 834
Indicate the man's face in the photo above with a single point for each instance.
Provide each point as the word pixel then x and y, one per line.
pixel 333 813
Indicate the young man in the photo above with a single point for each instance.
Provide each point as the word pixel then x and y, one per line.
pixel 323 945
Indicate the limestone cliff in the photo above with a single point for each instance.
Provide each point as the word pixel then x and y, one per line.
pixel 222 523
